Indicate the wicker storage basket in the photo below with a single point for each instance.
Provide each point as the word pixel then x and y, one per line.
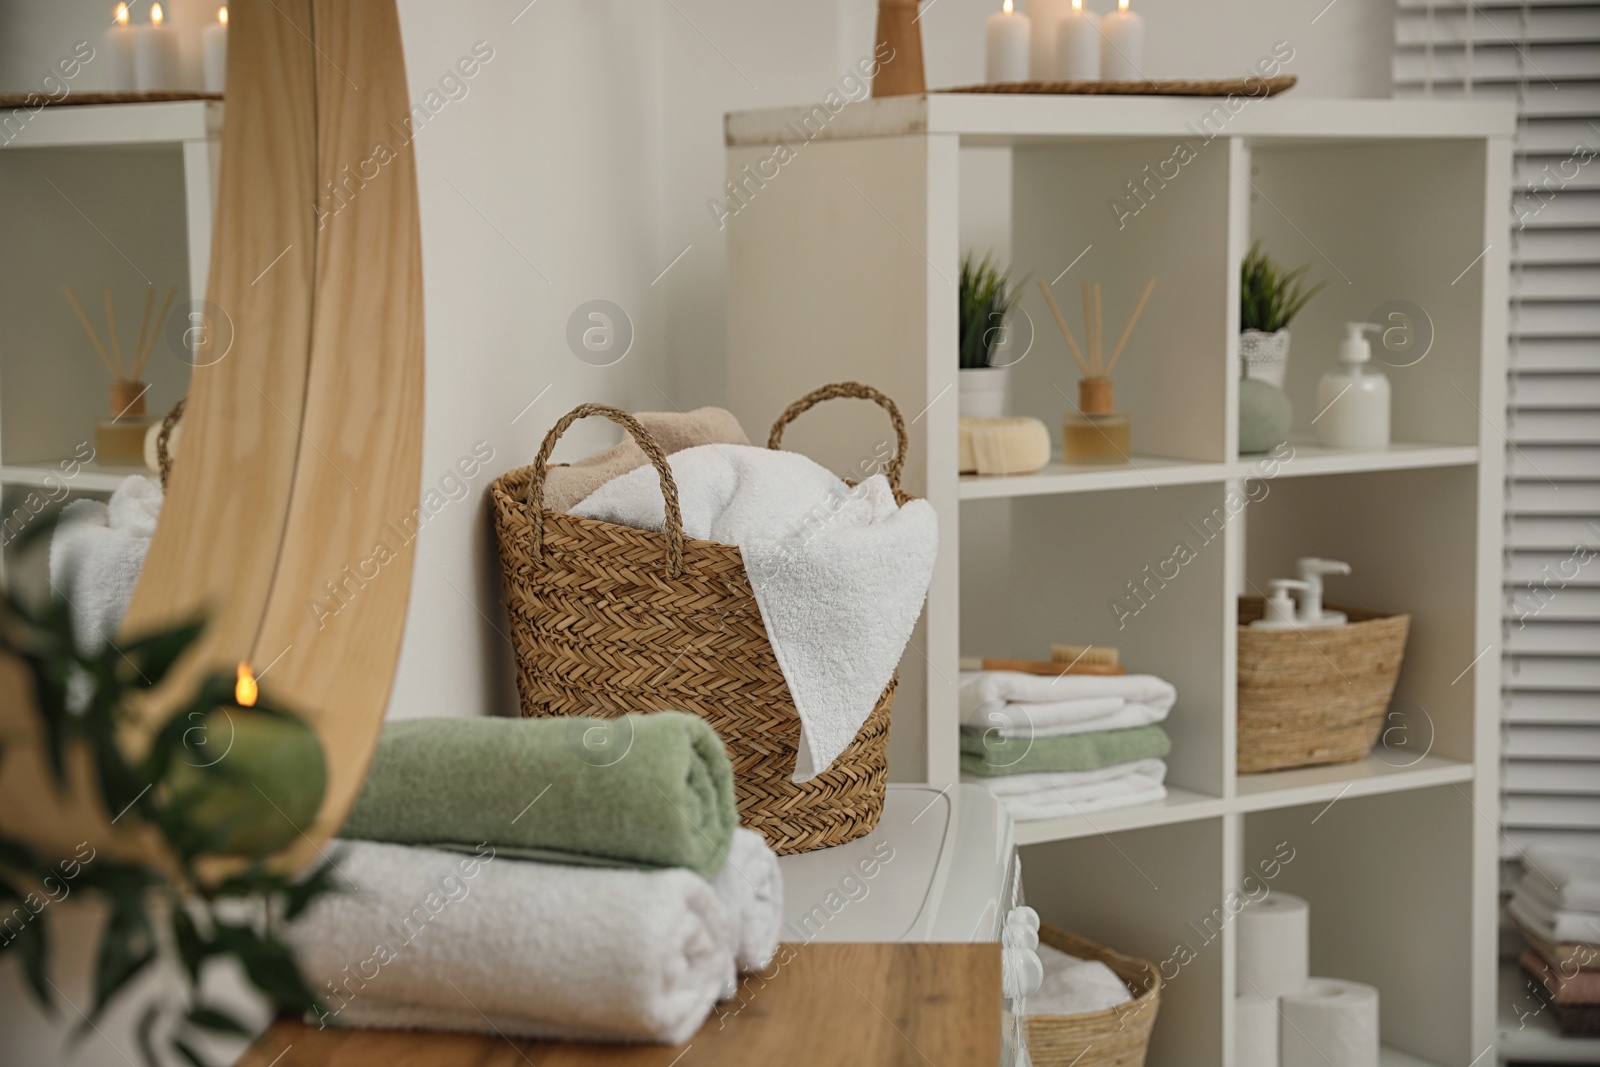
pixel 608 619
pixel 1115 1037
pixel 1315 696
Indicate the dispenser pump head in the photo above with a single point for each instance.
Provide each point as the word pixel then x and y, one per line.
pixel 1355 348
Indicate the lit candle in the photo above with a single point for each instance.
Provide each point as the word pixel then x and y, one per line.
pixel 1122 45
pixel 1043 18
pixel 1007 59
pixel 1078 45
pixel 215 43
pixel 158 60
pixel 117 46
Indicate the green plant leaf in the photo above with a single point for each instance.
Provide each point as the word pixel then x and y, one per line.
pixel 127 946
pixel 147 1022
pixel 192 948
pixel 270 966
pixel 150 657
pixel 187 1051
pixel 300 895
pixel 216 1020
pixel 20 857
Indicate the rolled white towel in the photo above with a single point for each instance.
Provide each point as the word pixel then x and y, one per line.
pixel 751 888
pixel 1033 705
pixel 429 939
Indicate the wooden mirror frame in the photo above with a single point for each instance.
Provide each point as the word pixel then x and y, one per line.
pixel 301 458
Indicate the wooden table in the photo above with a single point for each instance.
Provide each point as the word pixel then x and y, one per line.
pixel 881 1004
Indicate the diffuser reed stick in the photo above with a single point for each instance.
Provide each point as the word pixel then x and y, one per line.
pixel 111 329
pixel 1116 353
pixel 148 344
pixel 144 320
pixel 105 357
pixel 1099 335
pixel 1062 322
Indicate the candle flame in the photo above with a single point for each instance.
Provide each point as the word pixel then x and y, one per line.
pixel 245 690
pixel 1122 5
pixel 1006 7
pixel 1077 5
pixel 222 15
pixel 156 17
pixel 122 14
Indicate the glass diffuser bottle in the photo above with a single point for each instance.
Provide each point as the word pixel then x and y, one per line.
pixel 119 437
pixel 1096 432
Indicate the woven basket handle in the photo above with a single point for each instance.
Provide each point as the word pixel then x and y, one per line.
pixel 860 392
pixel 164 437
pixel 647 444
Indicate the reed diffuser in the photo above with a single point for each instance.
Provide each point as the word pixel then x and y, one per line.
pixel 1096 433
pixel 119 437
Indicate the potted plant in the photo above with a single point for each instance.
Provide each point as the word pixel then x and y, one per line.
pixel 986 302
pixel 1269 298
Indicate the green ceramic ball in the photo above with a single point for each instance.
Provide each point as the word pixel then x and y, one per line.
pixel 1265 415
pixel 272 777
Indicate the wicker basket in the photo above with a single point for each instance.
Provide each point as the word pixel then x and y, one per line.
pixel 608 619
pixel 1315 696
pixel 1115 1037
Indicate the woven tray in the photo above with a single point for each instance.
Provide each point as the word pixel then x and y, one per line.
pixel 36 99
pixel 1315 696
pixel 1115 1037
pixel 1215 87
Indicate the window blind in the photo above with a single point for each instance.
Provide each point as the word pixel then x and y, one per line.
pixel 1543 55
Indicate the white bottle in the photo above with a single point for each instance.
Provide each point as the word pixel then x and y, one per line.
pixel 1312 613
pixel 1353 398
pixel 1280 606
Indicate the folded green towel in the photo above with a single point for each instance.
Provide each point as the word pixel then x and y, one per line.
pixel 990 754
pixel 637 791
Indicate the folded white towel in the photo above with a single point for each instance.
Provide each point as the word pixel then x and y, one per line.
pixel 434 939
pixel 1564 877
pixel 1046 796
pixel 1552 923
pixel 839 574
pixel 1074 986
pixel 750 886
pixel 96 554
pixel 1032 705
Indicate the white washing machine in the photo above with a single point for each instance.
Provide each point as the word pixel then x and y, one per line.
pixel 941 865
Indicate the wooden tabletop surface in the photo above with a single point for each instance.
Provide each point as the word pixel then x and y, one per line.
pixel 881 1004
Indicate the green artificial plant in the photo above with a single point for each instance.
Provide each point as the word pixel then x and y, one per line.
pixel 986 301
pixel 1269 297
pixel 187 784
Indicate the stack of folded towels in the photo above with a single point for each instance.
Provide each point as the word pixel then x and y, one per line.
pixel 1067 744
pixel 545 878
pixel 1557 907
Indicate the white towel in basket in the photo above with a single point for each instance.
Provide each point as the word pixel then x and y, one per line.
pixel 838 573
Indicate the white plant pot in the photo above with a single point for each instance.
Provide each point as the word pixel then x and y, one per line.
pixel 983 392
pixel 1265 355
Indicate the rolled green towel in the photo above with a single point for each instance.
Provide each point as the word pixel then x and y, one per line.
pixel 636 791
pixel 990 754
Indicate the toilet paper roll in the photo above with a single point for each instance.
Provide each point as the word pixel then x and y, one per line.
pixel 1274 946
pixel 1255 1032
pixel 1330 1023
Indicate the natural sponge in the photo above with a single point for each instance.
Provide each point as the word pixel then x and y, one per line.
pixel 1018 444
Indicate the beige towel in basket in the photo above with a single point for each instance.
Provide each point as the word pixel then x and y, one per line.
pixel 566 485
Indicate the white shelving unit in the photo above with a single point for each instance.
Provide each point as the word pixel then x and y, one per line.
pixel 845 245
pixel 114 197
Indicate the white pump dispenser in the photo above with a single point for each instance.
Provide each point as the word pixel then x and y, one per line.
pixel 1280 605
pixel 1311 571
pixel 1353 398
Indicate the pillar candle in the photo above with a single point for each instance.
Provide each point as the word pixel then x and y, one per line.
pixel 1122 45
pixel 117 47
pixel 214 42
pixel 1043 18
pixel 1007 56
pixel 1078 45
pixel 158 59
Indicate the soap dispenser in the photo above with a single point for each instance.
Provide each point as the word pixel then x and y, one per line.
pixel 1280 605
pixel 1353 398
pixel 1312 569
